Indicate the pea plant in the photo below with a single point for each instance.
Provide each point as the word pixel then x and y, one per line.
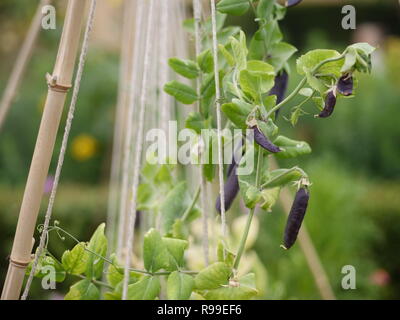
pixel 254 75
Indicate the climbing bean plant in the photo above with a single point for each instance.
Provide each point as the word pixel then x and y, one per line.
pixel 254 74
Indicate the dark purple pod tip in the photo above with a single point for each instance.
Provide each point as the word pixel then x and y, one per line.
pixel 345 85
pixel 231 189
pixel 264 142
pixel 330 102
pixel 296 216
pixel 291 3
pixel 280 86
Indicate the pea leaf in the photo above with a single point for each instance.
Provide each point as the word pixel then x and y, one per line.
pixel 196 122
pixel 269 196
pixel 239 49
pixel 176 249
pixel 224 255
pixel 233 7
pixel 179 286
pixel 147 288
pixel 281 177
pixel 75 261
pixel 212 277
pixel 244 289
pixel 155 253
pixel 205 61
pixel 280 53
pixel 181 92
pixel 237 111
pixel 186 68
pixel 97 248
pixel 46 265
pixel 173 206
pixel 306 63
pixel 291 148
pixel 83 290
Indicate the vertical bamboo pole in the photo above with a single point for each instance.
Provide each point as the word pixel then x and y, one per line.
pixel 59 83
pixel 20 64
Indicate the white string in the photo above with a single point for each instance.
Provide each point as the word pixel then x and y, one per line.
pixel 197 31
pixel 138 154
pixel 218 111
pixel 129 130
pixel 115 172
pixel 71 111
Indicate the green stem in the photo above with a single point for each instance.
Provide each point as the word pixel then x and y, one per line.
pixel 94 281
pixel 191 206
pixel 250 216
pixel 289 97
pixel 116 266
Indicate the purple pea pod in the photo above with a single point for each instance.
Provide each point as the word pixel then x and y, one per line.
pixel 231 189
pixel 280 87
pixel 330 103
pixel 292 3
pixel 345 85
pixel 264 142
pixel 296 216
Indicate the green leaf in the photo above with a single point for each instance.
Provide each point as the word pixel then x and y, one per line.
pixel 205 61
pixel 212 277
pixel 181 92
pixel 224 255
pixel 251 196
pixel 269 196
pixel 239 49
pixel 179 286
pixel 196 122
pixel 237 111
pixel 47 264
pixel 228 57
pixel 75 261
pixel 291 148
pixel 280 53
pixel 244 289
pixel 281 177
pixel 97 248
pixel 186 68
pixel 173 206
pixel 265 8
pixel 350 60
pixel 176 249
pixel 307 63
pixel 155 253
pixel 257 78
pixel 147 288
pixel 364 47
pixel 233 7
pixel 83 290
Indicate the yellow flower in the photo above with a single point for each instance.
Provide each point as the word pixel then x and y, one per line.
pixel 83 147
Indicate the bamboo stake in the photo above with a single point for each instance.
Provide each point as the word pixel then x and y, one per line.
pixel 59 84
pixel 310 253
pixel 21 63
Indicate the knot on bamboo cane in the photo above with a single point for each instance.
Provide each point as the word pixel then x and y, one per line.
pixel 53 85
pixel 19 264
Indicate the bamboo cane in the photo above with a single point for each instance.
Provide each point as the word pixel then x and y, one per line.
pixel 20 64
pixel 59 84
pixel 307 246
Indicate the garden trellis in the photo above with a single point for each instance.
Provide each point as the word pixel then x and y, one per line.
pixel 152 33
